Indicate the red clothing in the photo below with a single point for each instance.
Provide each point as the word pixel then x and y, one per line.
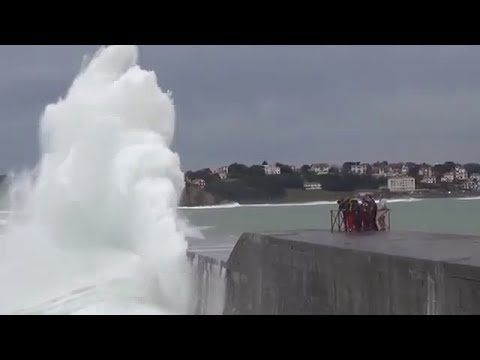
pixel 350 221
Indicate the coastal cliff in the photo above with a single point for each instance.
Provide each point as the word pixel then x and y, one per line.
pixel 194 196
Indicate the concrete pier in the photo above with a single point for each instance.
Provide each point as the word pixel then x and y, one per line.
pixel 319 272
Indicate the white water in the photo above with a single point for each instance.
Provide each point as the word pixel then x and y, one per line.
pixel 100 210
pixel 403 200
pixel 470 198
pixel 313 203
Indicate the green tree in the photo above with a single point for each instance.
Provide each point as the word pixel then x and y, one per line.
pixel 413 170
pixel 238 170
pixel 304 169
pixel 290 181
pixel 346 167
pixel 449 166
pixel 256 170
pixel 472 168
pixel 439 169
pixel 285 169
pixel 334 170
pixel 311 177
pixel 350 182
pixel 199 174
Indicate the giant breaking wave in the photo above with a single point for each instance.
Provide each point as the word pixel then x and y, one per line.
pixel 99 213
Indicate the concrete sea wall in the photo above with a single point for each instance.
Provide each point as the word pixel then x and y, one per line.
pixel 316 272
pixel 209 280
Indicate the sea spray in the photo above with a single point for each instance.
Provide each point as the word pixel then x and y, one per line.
pixel 100 212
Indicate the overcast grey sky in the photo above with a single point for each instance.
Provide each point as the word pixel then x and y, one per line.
pixel 293 104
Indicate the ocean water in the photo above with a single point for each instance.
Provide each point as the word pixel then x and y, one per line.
pixel 447 216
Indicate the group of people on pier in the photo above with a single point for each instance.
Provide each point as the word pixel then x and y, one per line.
pixel 363 214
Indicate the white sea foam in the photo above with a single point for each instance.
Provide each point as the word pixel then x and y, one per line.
pixel 313 203
pixel 100 209
pixel 409 200
pixel 469 198
pixel 212 207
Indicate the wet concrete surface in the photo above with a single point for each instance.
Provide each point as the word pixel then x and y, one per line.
pixel 449 248
pixel 319 272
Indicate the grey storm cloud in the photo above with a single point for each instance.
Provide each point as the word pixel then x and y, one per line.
pixel 294 104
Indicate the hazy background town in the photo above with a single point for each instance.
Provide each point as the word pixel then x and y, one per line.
pixel 313 182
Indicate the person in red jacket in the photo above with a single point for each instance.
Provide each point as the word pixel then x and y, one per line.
pixel 350 208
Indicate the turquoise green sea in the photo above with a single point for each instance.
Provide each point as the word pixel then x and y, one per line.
pixel 453 216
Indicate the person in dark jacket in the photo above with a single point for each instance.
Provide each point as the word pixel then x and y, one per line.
pixel 372 216
pixel 357 210
pixel 342 208
pixel 365 215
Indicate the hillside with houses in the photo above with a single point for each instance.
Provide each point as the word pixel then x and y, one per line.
pixel 321 181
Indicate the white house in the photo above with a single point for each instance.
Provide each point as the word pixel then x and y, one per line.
pixel 475 177
pixel 359 169
pixel 429 180
pixel 460 173
pixel 448 177
pixel 223 169
pixel 312 186
pixel 320 169
pixel 401 184
pixel 379 171
pixel 272 170
pixel 404 169
pixel 425 171
pixel 394 170
pixel 199 183
pixel 470 185
pixel 222 172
